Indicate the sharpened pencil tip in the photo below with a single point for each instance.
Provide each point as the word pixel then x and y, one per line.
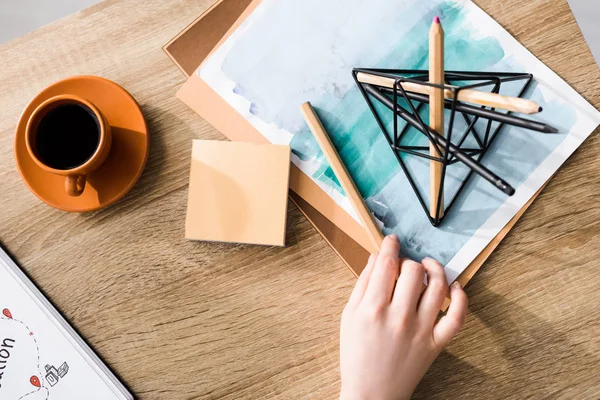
pixel 552 130
pixel 436 20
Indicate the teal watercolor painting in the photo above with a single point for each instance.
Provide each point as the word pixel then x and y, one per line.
pixel 289 52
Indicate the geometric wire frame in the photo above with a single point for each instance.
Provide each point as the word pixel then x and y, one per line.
pixel 483 140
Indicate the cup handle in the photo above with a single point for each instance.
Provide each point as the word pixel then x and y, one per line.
pixel 74 185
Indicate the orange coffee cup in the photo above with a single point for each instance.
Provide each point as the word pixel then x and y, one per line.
pixel 67 135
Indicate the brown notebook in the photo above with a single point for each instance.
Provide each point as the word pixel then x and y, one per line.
pixel 189 49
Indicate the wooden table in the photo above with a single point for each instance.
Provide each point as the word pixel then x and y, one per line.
pixel 182 320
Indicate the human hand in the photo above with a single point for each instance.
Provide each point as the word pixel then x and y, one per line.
pixel 389 335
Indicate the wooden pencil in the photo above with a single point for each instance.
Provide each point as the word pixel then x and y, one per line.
pixel 514 104
pixel 343 176
pixel 476 111
pixel 436 114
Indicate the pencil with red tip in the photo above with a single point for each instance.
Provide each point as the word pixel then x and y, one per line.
pixel 436 115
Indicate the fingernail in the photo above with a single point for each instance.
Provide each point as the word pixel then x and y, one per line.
pixel 457 285
pixel 395 237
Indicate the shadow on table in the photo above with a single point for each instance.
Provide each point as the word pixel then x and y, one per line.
pixel 446 378
pixel 161 124
pixel 537 358
pixel 165 148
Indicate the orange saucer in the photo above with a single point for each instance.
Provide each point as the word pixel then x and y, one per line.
pixel 124 164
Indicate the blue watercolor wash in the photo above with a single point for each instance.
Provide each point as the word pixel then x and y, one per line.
pixel 276 75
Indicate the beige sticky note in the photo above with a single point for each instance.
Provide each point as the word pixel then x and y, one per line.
pixel 238 192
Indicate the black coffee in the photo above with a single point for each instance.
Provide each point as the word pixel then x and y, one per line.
pixel 67 136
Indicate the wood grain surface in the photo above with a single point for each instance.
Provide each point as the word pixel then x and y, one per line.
pixel 186 320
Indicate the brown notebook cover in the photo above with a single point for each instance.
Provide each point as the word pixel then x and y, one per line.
pixel 189 49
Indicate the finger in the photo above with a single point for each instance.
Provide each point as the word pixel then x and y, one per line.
pixel 361 285
pixel 450 324
pixel 435 293
pixel 385 272
pixel 409 287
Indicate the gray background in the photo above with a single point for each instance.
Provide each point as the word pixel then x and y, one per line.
pixel 17 17
pixel 587 13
